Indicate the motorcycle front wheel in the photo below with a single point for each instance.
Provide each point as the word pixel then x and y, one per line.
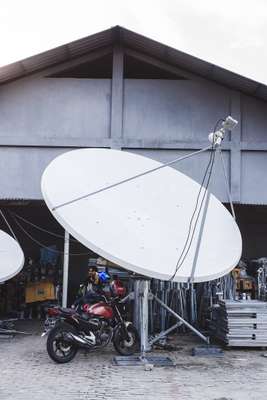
pixel 59 347
pixel 126 346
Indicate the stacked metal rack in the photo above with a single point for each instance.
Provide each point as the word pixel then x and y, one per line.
pixel 241 323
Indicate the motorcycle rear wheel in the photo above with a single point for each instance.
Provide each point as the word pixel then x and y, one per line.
pixel 58 347
pixel 126 347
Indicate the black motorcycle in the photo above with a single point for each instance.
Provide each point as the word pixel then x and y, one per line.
pixel 95 326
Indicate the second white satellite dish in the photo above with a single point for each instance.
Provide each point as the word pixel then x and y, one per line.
pixel 11 257
pixel 142 224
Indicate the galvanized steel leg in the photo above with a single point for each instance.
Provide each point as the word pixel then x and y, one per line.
pixel 136 316
pixel 143 298
pixel 164 333
pixel 206 339
pixel 65 269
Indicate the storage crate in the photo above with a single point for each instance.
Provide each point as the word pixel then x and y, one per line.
pixel 40 291
pixel 240 323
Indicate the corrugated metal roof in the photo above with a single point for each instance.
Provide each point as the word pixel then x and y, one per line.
pixel 139 43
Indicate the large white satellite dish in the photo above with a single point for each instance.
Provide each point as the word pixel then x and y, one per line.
pixel 142 224
pixel 11 257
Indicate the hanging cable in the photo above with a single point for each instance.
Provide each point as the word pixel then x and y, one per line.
pixel 44 246
pixel 40 228
pixel 200 209
pixel 187 246
pixel 190 236
pixel 9 226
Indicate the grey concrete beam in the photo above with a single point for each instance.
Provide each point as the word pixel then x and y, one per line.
pixel 235 154
pixel 66 141
pixel 50 142
pixel 164 66
pixel 253 146
pixel 170 144
pixel 94 55
pixel 22 141
pixel 116 114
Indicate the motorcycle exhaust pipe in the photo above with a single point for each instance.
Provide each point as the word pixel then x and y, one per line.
pixel 79 340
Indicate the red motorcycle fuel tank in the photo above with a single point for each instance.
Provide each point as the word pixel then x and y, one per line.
pixel 101 310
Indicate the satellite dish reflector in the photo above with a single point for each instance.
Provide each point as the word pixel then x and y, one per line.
pixel 11 257
pixel 142 224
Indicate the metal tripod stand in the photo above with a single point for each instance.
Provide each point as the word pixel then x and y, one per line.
pixel 141 296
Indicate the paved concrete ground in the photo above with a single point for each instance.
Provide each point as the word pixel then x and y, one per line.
pixel 28 373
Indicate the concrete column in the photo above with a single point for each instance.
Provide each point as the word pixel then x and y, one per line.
pixel 117 98
pixel 235 154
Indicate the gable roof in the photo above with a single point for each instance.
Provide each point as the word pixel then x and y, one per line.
pixel 120 35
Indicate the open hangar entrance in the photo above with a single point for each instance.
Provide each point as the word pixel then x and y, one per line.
pixel 252 221
pixel 36 229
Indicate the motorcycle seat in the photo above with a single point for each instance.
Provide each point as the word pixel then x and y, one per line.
pixel 67 310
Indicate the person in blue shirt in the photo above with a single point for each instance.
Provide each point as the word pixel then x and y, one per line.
pixel 92 289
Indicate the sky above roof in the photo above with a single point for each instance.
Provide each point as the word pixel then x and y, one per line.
pixel 229 33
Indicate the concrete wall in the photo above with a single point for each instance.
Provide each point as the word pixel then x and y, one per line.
pixel 182 110
pixel 22 169
pixel 55 108
pixel 42 117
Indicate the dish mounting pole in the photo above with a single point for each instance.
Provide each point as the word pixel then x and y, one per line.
pixel 65 269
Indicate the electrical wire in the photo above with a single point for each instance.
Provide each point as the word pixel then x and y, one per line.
pixel 44 246
pixel 40 228
pixel 188 240
pixel 186 247
pixel 9 226
pixel 178 266
pixel 200 209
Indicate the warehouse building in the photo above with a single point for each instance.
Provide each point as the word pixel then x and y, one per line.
pixel 117 89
